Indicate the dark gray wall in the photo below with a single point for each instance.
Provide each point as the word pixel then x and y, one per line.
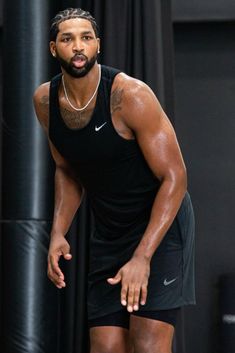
pixel 1 12
pixel 0 154
pixel 205 123
pixel 203 10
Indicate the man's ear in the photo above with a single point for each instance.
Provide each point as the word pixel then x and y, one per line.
pixel 98 41
pixel 53 48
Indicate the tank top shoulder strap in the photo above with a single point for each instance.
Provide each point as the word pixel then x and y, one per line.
pixel 109 72
pixel 108 76
pixel 53 102
pixel 53 95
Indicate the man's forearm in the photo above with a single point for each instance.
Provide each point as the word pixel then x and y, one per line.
pixel 164 210
pixel 68 197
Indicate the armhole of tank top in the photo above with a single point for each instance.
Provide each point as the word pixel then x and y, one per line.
pixel 52 98
pixel 111 77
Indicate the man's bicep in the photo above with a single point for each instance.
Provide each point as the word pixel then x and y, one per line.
pixel 41 105
pixel 59 160
pixel 65 169
pixel 162 152
pixel 156 136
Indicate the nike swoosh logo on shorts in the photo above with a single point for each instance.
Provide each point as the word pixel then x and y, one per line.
pixel 166 283
pixel 97 128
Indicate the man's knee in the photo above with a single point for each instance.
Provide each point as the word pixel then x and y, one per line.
pixel 114 347
pixel 151 346
pixel 102 348
pixel 109 340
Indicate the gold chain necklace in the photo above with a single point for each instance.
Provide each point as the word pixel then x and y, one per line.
pixel 93 95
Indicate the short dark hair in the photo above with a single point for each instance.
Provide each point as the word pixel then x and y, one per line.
pixel 67 14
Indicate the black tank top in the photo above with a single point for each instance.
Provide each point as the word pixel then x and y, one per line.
pixel 119 184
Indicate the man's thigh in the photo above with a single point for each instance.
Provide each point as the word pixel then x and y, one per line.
pixel 153 334
pixel 110 333
pixel 140 332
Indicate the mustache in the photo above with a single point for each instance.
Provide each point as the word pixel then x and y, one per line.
pixel 79 56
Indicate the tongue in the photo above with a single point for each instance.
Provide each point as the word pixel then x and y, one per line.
pixel 78 62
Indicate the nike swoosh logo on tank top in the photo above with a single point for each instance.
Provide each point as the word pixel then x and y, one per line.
pixel 97 128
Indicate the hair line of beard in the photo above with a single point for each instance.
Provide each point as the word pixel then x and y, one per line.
pixel 74 72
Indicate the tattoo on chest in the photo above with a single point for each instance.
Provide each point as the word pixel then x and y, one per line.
pixel 76 120
pixel 116 100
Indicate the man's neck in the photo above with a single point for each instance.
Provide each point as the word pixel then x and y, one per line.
pixel 80 89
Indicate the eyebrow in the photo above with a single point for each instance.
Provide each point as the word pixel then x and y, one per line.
pixel 70 33
pixel 86 32
pixel 66 34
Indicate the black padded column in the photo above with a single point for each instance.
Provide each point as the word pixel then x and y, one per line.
pixel 29 310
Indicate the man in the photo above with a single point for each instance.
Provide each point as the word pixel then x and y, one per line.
pixel 109 137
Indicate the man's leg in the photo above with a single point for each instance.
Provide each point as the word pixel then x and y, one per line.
pixel 110 333
pixel 110 339
pixel 153 334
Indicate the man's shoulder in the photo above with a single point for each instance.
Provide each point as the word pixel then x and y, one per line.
pixel 122 80
pixel 135 98
pixel 131 86
pixel 41 104
pixel 41 91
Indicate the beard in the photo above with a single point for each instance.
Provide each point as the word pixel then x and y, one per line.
pixel 75 71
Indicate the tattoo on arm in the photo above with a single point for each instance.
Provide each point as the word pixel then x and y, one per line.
pixel 44 103
pixel 44 112
pixel 116 100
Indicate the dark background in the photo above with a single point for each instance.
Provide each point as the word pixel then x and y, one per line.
pixel 204 86
pixel 204 38
pixel 205 109
pixel 203 10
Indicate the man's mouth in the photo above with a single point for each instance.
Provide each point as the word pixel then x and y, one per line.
pixel 79 60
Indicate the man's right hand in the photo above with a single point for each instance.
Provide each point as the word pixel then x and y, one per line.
pixel 58 247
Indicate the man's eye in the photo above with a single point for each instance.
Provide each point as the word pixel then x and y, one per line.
pixel 66 39
pixel 87 37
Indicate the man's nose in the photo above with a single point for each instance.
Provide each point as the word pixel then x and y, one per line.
pixel 78 45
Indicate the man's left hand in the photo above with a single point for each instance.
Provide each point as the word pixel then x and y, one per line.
pixel 134 277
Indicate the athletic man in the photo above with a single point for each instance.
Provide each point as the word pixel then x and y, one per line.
pixel 110 138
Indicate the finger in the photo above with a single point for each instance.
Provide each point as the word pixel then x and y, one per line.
pixel 124 295
pixel 49 271
pixel 130 299
pixel 115 280
pixel 59 283
pixel 144 292
pixel 136 298
pixel 54 261
pixel 67 256
pixel 66 252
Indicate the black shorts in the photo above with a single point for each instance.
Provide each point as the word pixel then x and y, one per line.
pixel 122 317
pixel 171 280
